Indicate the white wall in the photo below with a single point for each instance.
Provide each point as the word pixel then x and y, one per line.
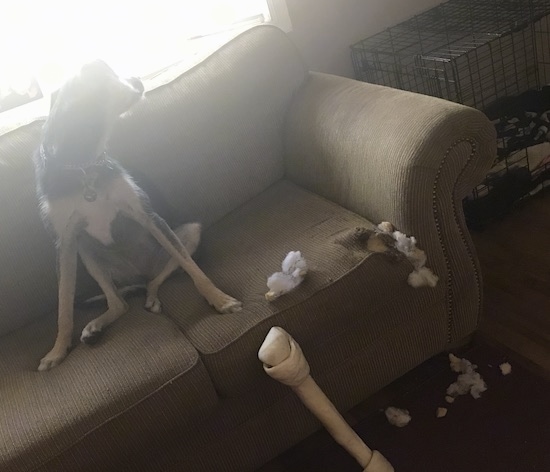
pixel 324 30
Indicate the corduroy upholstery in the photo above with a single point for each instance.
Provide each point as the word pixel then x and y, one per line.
pixel 271 158
pixel 111 397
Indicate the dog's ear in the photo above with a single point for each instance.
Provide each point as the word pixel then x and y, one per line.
pixel 53 98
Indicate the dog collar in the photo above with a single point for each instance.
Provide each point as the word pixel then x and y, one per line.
pixel 100 160
pixel 88 176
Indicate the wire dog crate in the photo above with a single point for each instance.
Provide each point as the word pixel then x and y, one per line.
pixel 474 52
pixel 467 51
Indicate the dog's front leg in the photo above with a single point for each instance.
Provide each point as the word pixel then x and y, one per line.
pixel 116 306
pixel 67 260
pixel 160 230
pixel 222 302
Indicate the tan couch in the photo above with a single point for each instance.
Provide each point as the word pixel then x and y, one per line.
pixel 271 158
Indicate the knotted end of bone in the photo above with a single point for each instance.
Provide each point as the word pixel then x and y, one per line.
pixel 283 358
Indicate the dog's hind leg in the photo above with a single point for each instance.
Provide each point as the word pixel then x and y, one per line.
pixel 116 306
pixel 133 203
pixel 222 302
pixel 189 235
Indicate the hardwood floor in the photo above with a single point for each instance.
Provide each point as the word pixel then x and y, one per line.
pixel 515 259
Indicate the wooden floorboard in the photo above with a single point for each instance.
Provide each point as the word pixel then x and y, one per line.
pixel 514 254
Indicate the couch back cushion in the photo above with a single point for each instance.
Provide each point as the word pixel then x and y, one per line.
pixel 211 139
pixel 207 141
pixel 28 281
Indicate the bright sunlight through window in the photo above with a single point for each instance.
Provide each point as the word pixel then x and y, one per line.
pixel 48 40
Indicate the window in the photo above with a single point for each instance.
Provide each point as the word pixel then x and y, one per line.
pixel 45 42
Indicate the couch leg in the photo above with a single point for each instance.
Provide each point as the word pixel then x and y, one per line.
pixel 284 361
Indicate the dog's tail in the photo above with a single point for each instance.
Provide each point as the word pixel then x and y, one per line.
pixel 123 292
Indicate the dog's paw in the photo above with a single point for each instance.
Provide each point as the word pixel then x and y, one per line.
pixel 153 305
pixel 91 333
pixel 50 360
pixel 228 305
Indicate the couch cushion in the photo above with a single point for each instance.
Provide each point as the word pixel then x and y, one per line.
pixel 118 398
pixel 211 139
pixel 28 281
pixel 347 288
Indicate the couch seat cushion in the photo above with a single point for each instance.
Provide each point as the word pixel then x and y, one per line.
pixel 348 289
pixel 117 398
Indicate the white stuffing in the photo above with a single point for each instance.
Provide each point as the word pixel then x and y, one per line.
pixel 403 243
pixel 458 388
pixel 417 258
pixel 397 416
pixel 476 382
pixel 469 381
pixel 294 264
pixel 459 365
pixel 441 412
pixel 386 227
pixel 294 270
pixel 505 368
pixel 280 283
pixel 449 399
pixel 421 276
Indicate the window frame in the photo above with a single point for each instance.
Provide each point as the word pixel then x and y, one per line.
pixel 280 17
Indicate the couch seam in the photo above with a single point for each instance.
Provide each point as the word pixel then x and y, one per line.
pixel 327 285
pixel 435 209
pixel 115 416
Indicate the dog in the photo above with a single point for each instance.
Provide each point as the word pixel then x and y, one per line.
pixel 97 212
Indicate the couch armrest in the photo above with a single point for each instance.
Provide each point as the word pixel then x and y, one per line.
pixel 396 156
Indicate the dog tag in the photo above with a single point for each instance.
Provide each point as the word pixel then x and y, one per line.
pixel 90 194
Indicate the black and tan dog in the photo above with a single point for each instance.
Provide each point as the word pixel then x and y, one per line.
pixel 96 211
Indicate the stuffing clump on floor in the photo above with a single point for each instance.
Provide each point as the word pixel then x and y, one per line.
pixel 397 416
pixel 294 268
pixel 469 381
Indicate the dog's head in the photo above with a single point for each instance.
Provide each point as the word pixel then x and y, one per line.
pixel 98 88
pixel 84 109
